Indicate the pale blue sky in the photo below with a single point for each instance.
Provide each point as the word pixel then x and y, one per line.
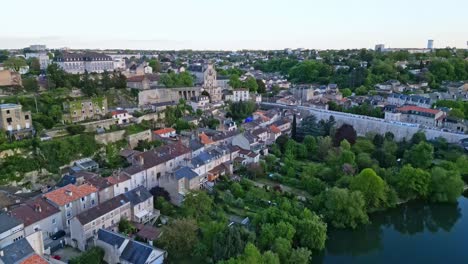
pixel 235 24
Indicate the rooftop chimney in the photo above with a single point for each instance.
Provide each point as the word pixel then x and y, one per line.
pixel 38 208
pixel 138 193
pixel 68 192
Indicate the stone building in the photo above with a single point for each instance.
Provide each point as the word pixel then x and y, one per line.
pixel 86 109
pixel 210 84
pixel 13 118
pixel 10 78
pixel 81 62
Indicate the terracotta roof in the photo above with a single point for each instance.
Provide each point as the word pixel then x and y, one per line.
pixel 164 131
pixel 275 129
pixel 70 193
pixel 418 109
pixel 118 112
pixel 34 211
pixel 138 78
pixel 34 259
pixel 205 140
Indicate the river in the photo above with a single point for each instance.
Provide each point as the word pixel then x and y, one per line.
pixel 416 232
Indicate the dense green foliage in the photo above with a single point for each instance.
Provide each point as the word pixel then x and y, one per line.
pixel 94 255
pixel 183 79
pixel 241 110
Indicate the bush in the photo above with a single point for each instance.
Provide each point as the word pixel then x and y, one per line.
pixel 94 255
pixel 75 129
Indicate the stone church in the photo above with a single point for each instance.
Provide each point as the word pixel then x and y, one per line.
pixel 210 84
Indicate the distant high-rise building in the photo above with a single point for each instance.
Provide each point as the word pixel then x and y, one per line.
pixel 380 47
pixel 430 44
pixel 37 47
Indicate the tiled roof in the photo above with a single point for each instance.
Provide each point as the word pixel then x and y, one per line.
pixel 118 112
pixel 205 139
pixel 70 193
pixel 275 129
pixel 34 259
pixel 138 195
pixel 162 154
pixel 408 108
pixel 102 209
pixel 164 131
pixel 34 211
pixel 14 253
pixel 7 222
pixel 185 172
pixel 117 179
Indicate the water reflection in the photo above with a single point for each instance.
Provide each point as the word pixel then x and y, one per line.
pixel 409 219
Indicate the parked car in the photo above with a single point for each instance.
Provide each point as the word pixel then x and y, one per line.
pixel 57 257
pixel 58 235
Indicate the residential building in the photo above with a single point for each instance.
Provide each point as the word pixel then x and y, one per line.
pixel 104 187
pixel 403 99
pixel 13 118
pixel 42 57
pixel 73 200
pixel 38 215
pixel 10 78
pixel 107 215
pixel 149 168
pixel 11 230
pixel 86 109
pixel 121 117
pixel 143 82
pixel 142 206
pixel 238 95
pixel 200 102
pixel 120 182
pixel 417 115
pixel 86 164
pixel 81 62
pixel 165 132
pixel 121 249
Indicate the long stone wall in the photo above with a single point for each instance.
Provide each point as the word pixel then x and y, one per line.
pixel 92 126
pixel 110 137
pixel 134 138
pixel 161 95
pixel 365 124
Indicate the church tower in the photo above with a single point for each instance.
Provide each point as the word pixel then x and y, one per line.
pixel 210 84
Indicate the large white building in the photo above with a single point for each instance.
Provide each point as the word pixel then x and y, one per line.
pixel 81 62
pixel 238 95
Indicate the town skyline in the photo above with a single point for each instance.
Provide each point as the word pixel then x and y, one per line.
pixel 206 25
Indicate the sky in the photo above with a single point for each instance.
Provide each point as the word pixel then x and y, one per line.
pixel 233 25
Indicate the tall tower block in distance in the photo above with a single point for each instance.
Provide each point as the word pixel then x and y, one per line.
pixel 430 44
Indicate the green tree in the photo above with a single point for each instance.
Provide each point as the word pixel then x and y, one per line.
pixel 371 186
pixel 313 232
pixel 34 66
pixel 234 81
pixel 446 186
pixel 251 84
pixel 346 92
pixel 261 86
pixel 420 155
pixel 94 255
pixel 344 208
pixel 412 182
pixel 179 237
pixel 30 84
pixel 15 63
pixel 197 204
pixel 282 247
pixel 300 256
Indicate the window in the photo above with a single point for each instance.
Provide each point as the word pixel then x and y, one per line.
pixel 53 221
pixel 92 202
pixel 7 111
pixel 26 117
pixel 68 205
pixel 9 120
pixel 82 199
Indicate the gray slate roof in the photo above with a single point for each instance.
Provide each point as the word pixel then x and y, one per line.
pixel 16 252
pixel 136 252
pixel 138 195
pixel 7 222
pixel 110 237
pixel 185 172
